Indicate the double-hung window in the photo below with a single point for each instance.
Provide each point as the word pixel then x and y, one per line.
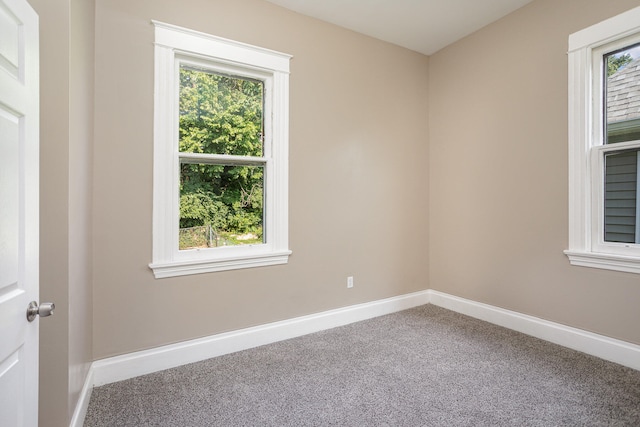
pixel 220 154
pixel 604 144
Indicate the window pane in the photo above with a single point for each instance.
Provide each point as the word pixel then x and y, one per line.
pixel 622 95
pixel 220 114
pixel 220 205
pixel 621 182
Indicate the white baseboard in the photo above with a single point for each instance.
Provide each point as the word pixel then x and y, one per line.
pixel 621 352
pixel 79 414
pixel 131 365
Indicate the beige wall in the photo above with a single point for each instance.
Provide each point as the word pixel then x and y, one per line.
pixel 66 104
pixel 498 173
pixel 54 208
pixel 358 156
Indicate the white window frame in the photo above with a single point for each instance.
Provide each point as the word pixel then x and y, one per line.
pixel 173 46
pixel 586 150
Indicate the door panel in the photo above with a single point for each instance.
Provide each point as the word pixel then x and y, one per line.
pixel 11 389
pixel 9 221
pixel 9 41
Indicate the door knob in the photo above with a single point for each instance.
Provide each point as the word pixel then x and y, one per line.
pixel 43 310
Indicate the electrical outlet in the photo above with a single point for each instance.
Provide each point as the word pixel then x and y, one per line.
pixel 350 282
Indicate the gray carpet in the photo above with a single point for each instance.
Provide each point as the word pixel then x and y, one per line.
pixel 421 367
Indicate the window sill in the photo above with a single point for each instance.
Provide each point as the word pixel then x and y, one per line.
pixel 184 268
pixel 627 264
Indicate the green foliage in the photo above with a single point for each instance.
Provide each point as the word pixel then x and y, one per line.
pixel 616 62
pixel 199 208
pixel 221 115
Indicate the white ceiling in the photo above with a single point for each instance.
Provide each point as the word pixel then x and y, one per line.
pixel 425 26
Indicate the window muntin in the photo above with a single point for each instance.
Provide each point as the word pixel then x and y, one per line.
pixel 175 252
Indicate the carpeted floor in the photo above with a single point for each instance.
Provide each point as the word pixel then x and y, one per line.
pixel 421 367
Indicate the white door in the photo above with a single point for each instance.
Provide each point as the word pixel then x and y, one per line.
pixel 19 139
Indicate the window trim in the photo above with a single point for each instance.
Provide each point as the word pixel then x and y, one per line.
pixel 586 202
pixel 173 46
